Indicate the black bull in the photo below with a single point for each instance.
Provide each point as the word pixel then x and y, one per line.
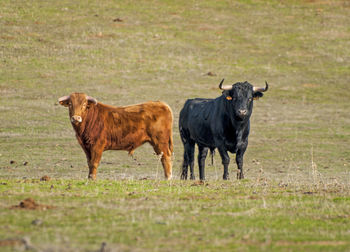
pixel 221 123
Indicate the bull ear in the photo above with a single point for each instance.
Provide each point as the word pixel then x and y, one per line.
pixel 227 95
pixel 64 101
pixel 91 100
pixel 257 95
pixel 257 91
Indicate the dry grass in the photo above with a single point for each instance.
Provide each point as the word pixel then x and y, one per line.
pixel 297 192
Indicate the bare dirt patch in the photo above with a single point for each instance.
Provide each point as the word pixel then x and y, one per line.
pixel 16 242
pixel 198 183
pixel 310 85
pixel 30 204
pixel 45 178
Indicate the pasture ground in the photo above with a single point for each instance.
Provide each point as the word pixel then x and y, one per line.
pixel 296 192
pixel 153 215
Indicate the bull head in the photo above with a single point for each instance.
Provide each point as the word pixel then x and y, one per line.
pixel 240 96
pixel 78 104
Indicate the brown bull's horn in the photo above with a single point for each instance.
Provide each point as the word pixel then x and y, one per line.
pixel 63 98
pixel 258 89
pixel 91 99
pixel 224 87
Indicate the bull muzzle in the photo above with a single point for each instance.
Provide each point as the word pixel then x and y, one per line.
pixel 242 112
pixel 76 119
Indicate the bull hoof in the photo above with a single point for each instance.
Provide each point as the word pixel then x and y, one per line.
pixel 183 177
pixel 240 175
pixel 193 177
pixel 92 177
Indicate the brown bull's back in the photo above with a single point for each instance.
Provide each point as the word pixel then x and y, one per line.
pixel 128 127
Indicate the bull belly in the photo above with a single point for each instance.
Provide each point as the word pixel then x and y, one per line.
pixel 127 146
pixel 205 143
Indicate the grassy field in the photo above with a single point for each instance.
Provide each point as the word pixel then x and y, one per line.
pixel 297 188
pixel 155 215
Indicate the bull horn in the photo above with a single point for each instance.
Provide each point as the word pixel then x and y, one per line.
pixel 224 87
pixel 258 89
pixel 91 99
pixel 63 99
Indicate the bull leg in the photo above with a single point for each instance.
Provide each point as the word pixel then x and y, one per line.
pixel 239 162
pixel 191 161
pixel 188 160
pixel 86 151
pixel 167 166
pixel 225 161
pixel 94 162
pixel 165 152
pixel 185 164
pixel 202 154
pixel 184 167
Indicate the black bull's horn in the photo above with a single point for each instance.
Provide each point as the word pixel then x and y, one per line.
pixel 255 89
pixel 258 89
pixel 224 87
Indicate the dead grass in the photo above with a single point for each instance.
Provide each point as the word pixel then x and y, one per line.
pixel 296 194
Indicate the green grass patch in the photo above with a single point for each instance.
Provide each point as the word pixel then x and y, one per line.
pixel 157 215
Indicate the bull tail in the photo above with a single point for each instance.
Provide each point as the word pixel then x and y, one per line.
pixel 171 118
pixel 171 146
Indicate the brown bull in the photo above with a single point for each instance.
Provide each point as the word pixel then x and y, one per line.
pixel 101 127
